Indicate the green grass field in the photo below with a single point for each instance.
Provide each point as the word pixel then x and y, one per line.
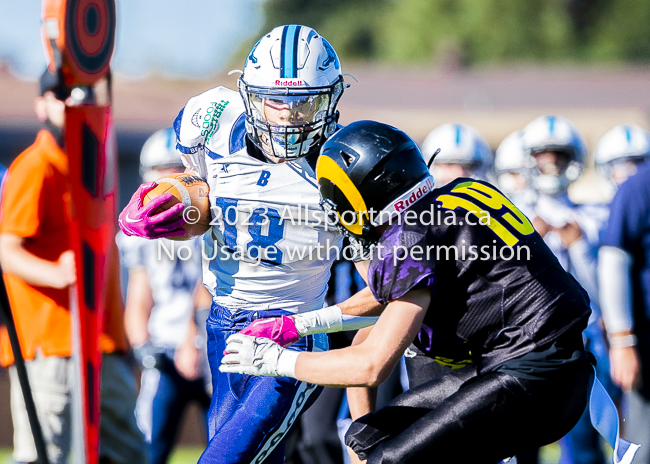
pixel 181 455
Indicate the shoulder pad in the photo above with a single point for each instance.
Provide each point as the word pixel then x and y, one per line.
pixel 202 117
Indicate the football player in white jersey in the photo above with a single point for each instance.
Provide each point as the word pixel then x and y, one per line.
pixel 571 231
pixel 456 150
pixel 270 248
pixel 161 304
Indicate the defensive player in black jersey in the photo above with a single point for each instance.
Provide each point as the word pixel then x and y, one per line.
pixel 463 273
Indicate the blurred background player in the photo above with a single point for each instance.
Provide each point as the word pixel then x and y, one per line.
pixel 463 153
pixel 623 260
pixel 571 231
pixel 620 152
pixel 163 326
pixel 512 170
pixel 39 269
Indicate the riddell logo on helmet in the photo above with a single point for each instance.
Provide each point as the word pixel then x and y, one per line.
pixel 289 83
pixel 421 191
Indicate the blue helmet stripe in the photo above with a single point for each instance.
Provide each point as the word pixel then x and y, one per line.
pixel 628 134
pixel 289 53
pixel 458 131
pixel 282 52
pixel 294 61
pixel 551 124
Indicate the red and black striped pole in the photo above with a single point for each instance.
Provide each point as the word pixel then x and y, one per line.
pixel 79 39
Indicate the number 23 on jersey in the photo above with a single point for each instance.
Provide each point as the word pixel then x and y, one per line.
pixel 502 212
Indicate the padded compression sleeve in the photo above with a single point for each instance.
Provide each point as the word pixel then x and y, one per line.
pixel 329 319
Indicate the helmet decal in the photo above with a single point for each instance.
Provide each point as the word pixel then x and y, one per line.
pixel 251 55
pixel 331 57
pixel 289 53
pixel 326 168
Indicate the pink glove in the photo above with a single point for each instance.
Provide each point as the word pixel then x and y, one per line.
pixel 139 220
pixel 281 330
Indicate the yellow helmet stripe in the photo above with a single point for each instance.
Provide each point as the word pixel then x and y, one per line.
pixel 326 168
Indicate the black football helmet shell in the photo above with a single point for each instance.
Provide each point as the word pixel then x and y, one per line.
pixel 369 171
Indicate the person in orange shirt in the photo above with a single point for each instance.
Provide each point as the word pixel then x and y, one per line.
pixel 38 269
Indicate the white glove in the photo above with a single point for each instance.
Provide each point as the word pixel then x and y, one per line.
pixel 257 356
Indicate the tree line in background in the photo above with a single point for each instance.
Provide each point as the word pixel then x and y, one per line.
pixel 475 31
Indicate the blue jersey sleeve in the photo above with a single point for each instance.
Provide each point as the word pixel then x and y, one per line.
pixel 629 211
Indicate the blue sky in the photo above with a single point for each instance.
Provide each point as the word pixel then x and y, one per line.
pixel 173 38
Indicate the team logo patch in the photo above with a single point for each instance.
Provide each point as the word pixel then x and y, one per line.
pixel 196 118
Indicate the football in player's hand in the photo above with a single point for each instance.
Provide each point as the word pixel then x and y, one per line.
pixel 192 192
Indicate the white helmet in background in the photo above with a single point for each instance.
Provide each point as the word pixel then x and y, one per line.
pixel 159 152
pixel 459 144
pixel 620 150
pixel 512 164
pixel 293 68
pixel 559 135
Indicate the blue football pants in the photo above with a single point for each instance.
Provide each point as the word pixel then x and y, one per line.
pixel 249 416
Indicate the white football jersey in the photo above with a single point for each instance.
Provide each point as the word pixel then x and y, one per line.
pixel 173 281
pixel 580 260
pixel 269 246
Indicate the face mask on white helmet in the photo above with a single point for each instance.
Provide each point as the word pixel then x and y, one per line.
pixel 291 85
pixel 159 153
pixel 460 145
pixel 557 135
pixel 620 151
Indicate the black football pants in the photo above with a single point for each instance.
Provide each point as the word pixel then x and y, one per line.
pixel 464 418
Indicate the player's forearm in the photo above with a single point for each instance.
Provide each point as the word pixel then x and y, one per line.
pixel 614 269
pixel 352 366
pixel 15 259
pixel 369 363
pixel 137 310
pixel 361 400
pixel 362 303
pixel 135 326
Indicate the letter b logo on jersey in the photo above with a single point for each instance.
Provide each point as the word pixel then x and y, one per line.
pixel 264 178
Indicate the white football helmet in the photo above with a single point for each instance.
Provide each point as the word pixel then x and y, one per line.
pixel 554 134
pixel 459 144
pixel 510 160
pixel 159 152
pixel 620 150
pixel 291 85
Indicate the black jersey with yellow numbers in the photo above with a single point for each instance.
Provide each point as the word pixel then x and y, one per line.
pixel 497 291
